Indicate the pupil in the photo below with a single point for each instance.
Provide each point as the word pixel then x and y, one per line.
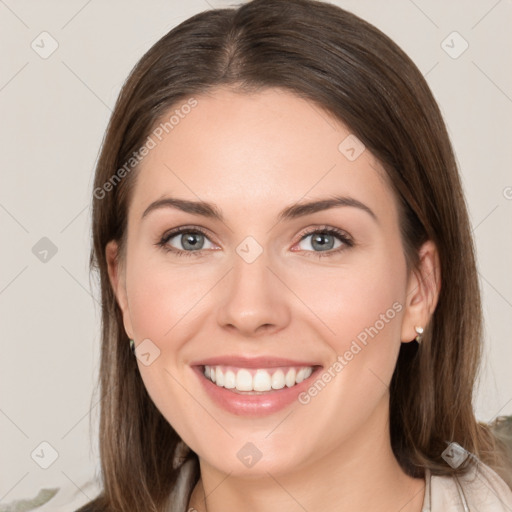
pixel 189 240
pixel 321 240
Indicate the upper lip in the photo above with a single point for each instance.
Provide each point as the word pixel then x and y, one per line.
pixel 252 362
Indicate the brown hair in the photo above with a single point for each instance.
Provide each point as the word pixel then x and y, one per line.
pixel 354 71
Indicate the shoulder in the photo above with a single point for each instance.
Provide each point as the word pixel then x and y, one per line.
pixel 480 488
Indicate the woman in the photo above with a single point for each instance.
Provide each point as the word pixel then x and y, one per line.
pixel 282 241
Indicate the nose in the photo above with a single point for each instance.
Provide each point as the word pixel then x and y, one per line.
pixel 253 298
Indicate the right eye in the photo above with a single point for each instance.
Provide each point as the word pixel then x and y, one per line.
pixel 191 239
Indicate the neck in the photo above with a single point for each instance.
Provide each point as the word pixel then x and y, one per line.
pixel 359 474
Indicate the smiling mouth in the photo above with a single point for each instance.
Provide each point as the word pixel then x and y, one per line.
pixel 256 381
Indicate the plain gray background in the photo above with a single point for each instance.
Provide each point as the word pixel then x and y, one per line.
pixel 54 111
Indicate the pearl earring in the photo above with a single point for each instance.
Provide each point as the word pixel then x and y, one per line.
pixel 419 332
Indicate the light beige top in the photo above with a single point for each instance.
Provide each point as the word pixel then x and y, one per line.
pixel 479 490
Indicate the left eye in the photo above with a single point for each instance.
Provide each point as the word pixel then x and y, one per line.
pixel 323 240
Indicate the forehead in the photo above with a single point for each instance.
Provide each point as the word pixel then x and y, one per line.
pixel 251 150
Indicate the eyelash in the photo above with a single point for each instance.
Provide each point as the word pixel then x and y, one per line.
pixel 328 230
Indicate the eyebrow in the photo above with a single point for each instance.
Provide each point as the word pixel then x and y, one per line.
pixel 294 211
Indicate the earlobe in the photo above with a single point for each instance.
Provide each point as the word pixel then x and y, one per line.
pixel 423 289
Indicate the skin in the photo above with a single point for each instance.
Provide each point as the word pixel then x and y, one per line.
pixel 252 155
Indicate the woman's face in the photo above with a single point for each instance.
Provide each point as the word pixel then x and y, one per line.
pixel 258 284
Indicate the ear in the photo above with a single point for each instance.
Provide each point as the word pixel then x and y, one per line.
pixel 423 287
pixel 117 276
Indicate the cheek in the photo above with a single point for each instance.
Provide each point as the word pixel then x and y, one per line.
pixel 359 309
pixel 162 296
pixel 161 302
pixel 361 301
pixel 167 305
pixel 369 309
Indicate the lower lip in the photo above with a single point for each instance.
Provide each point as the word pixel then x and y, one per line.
pixel 257 404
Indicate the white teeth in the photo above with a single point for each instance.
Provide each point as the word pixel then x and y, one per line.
pixel 278 380
pixel 257 379
pixel 219 377
pixel 229 379
pixel 290 378
pixel 300 375
pixel 262 381
pixel 243 380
